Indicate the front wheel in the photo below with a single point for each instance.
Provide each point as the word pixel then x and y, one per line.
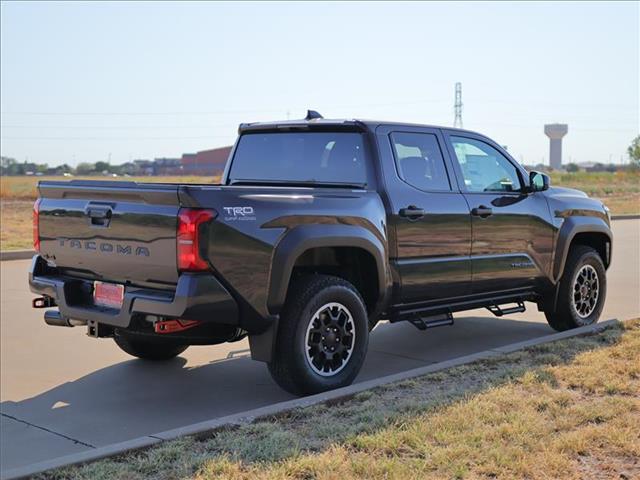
pixel 323 336
pixel 149 349
pixel 582 291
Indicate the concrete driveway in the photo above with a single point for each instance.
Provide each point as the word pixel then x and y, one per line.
pixel 62 392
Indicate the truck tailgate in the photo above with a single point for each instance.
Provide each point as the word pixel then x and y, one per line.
pixel 114 231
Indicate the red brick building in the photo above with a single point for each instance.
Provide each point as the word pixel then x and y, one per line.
pixel 206 162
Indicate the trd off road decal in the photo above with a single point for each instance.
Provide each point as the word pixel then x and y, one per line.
pixel 238 213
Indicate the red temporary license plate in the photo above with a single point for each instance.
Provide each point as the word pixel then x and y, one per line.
pixel 108 294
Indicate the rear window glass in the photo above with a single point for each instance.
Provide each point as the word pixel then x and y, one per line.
pixel 331 157
pixel 420 161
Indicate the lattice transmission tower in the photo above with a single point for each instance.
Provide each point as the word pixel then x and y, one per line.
pixel 457 106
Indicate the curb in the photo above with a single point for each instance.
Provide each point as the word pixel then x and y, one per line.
pixel 16 254
pixel 631 216
pixel 250 416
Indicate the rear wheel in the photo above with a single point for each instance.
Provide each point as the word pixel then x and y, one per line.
pixel 323 336
pixel 149 349
pixel 582 290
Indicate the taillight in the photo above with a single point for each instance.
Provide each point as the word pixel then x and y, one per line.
pixel 36 225
pixel 172 326
pixel 188 239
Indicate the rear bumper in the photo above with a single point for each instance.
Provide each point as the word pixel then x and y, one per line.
pixel 196 297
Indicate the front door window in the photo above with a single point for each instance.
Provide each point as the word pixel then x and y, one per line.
pixel 485 169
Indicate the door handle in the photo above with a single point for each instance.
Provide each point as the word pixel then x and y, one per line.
pixel 99 215
pixel 412 212
pixel 481 211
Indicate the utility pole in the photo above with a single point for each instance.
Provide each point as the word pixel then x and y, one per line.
pixel 457 106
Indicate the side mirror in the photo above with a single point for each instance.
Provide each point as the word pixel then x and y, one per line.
pixel 538 181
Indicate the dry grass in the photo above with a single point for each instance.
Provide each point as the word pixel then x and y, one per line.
pixel 600 184
pixel 16 224
pixel 623 205
pixel 570 410
pixel 620 191
pixel 17 195
pixel 25 188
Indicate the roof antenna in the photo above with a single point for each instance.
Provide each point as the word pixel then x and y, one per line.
pixel 312 114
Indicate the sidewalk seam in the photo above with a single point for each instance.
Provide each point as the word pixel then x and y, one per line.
pixel 47 430
pixel 406 357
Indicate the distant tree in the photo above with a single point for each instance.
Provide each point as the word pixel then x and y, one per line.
pixel 8 165
pixel 117 169
pixel 572 167
pixel 102 167
pixel 85 168
pixel 29 168
pixel 634 151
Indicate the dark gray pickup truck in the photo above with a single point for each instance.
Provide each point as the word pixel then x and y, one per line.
pixel 319 229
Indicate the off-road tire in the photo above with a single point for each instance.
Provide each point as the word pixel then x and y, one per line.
pixel 149 349
pixel 565 315
pixel 289 366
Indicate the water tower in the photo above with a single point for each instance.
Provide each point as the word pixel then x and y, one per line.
pixel 555 132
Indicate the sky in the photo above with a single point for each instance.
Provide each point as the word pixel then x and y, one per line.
pixel 84 82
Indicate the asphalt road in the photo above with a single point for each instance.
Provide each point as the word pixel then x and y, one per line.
pixel 62 392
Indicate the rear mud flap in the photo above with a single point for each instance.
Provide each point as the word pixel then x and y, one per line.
pixel 263 344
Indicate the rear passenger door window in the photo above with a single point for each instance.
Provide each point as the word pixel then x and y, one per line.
pixel 419 161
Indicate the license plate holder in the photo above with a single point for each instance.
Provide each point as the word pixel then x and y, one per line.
pixel 110 295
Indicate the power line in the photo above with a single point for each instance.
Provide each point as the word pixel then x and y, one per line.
pixel 534 103
pixel 220 112
pixel 479 125
pixel 123 127
pixel 120 138
pixel 230 112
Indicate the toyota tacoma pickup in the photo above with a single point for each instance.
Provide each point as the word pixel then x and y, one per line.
pixel 319 229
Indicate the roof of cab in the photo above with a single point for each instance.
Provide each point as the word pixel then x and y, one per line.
pixel 350 124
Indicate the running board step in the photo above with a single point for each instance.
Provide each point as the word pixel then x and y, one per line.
pixel 498 312
pixel 422 323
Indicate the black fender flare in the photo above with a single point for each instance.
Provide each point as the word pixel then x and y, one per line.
pixel 304 237
pixel 569 229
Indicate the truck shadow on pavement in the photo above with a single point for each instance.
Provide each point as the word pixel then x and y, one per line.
pixel 135 398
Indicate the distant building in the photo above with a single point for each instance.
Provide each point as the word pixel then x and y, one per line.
pixel 167 166
pixel 207 162
pixel 598 167
pixel 187 158
pixel 142 167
